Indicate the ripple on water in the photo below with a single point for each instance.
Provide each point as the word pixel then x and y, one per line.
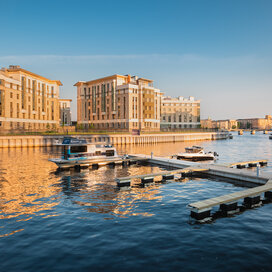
pixel 66 221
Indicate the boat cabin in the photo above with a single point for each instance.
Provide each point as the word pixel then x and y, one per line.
pixel 193 149
pixel 74 148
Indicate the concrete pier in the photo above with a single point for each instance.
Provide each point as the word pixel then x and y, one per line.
pixel 120 139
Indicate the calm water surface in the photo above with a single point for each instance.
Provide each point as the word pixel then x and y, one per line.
pixel 68 221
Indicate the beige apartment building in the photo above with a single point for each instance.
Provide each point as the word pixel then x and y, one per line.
pixel 119 102
pixel 180 112
pixel 27 100
pixel 65 112
pixel 221 124
pixel 256 123
pixel 248 123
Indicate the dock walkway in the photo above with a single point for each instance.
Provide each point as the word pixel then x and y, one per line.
pixel 125 181
pixel 201 210
pixel 229 198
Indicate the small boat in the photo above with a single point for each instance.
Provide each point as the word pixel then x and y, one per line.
pixel 270 136
pixel 196 153
pixel 78 152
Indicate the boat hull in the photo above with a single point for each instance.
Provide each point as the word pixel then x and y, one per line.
pixel 65 164
pixel 195 158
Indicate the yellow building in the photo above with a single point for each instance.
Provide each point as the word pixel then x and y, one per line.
pixel 28 101
pixel 65 112
pixel 119 102
pixel 206 123
pixel 180 112
pixel 256 123
pixel 221 124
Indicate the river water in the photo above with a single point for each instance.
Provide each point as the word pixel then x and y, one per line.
pixel 80 221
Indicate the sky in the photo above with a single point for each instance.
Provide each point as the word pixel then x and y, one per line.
pixel 218 51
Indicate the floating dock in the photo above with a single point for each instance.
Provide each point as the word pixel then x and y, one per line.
pixel 103 162
pixel 201 210
pixel 252 197
pixel 249 164
pixel 166 175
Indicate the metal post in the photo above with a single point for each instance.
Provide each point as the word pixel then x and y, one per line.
pixel 151 155
pixel 258 170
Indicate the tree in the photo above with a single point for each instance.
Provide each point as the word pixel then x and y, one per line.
pixel 248 125
pixel 233 127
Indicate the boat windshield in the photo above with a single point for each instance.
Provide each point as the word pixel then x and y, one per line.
pixel 193 149
pixel 78 148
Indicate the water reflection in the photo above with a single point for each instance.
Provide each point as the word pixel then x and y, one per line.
pixel 24 191
pixel 31 187
pixel 96 191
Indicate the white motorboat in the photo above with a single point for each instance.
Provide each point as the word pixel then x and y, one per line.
pixel 78 152
pixel 196 153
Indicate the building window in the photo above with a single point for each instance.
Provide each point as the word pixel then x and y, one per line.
pixel 124 107
pixel 94 99
pixel 113 102
pixel 43 96
pixel 33 94
pixel 52 92
pixel 11 109
pixel 1 99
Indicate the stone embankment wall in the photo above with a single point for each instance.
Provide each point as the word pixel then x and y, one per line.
pixel 123 139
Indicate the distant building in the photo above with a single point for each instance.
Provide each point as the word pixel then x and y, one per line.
pixel 119 102
pixel 206 123
pixel 256 123
pixel 27 100
pixel 221 124
pixel 180 112
pixel 65 112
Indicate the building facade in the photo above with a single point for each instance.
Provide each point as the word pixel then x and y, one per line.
pixel 65 112
pixel 28 101
pixel 178 113
pixel 249 123
pixel 220 124
pixel 119 102
pixel 256 123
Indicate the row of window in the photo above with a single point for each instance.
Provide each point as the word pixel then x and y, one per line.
pixel 174 119
pixel 181 105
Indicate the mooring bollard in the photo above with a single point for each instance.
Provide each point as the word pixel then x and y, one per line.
pixel 258 170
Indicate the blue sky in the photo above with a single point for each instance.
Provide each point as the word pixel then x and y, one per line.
pixel 218 51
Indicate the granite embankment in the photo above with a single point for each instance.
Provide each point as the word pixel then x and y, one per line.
pixel 120 139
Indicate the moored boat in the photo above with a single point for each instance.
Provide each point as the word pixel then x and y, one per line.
pixel 78 153
pixel 196 153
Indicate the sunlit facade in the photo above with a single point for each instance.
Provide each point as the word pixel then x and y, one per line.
pixel 119 102
pixel 28 101
pixel 65 112
pixel 178 113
